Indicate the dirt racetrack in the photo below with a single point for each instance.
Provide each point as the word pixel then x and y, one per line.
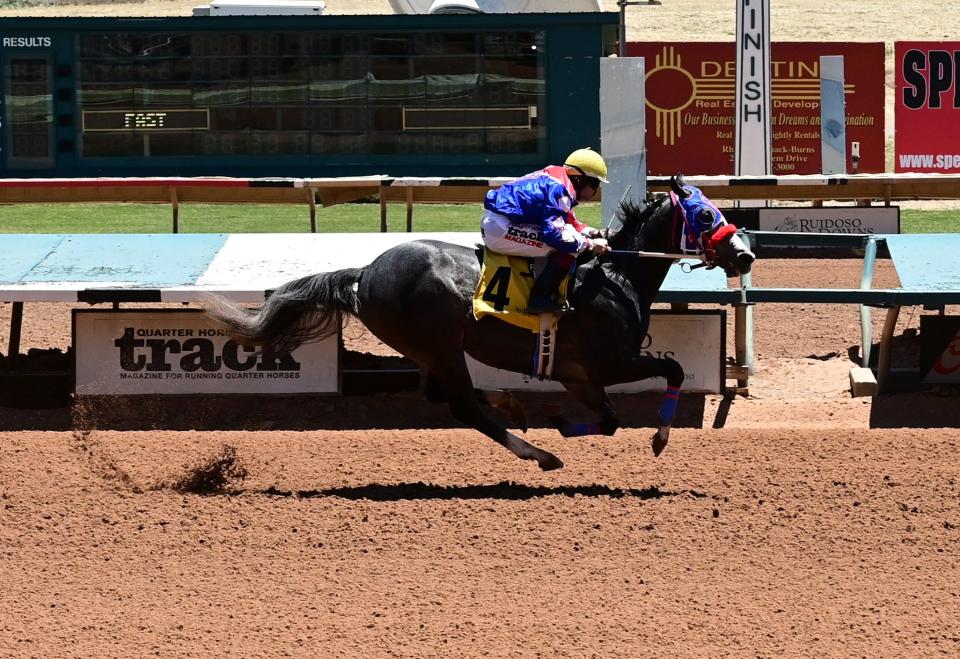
pixel 796 521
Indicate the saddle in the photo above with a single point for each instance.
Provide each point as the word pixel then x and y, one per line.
pixel 504 291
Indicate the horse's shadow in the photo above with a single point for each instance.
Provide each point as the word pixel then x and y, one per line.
pixel 504 490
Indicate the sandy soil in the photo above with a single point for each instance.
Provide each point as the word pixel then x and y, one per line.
pixel 435 544
pixel 796 521
pixel 698 20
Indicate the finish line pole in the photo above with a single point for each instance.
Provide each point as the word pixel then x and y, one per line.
pixel 622 35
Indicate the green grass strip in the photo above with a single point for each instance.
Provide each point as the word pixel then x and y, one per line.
pixel 284 218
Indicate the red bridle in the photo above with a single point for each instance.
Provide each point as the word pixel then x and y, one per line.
pixel 708 240
pixel 713 240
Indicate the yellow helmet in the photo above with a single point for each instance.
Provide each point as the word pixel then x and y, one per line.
pixel 589 163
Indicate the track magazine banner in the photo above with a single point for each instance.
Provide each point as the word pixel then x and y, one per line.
pixel 696 339
pixel 927 106
pixel 691 88
pixel 171 351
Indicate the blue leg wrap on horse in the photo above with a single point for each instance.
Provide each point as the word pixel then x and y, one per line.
pixel 581 429
pixel 668 408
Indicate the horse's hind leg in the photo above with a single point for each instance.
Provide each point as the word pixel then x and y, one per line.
pixel 453 374
pixel 502 400
pixel 596 400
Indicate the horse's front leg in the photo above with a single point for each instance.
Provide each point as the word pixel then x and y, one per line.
pixel 643 367
pixel 638 367
pixel 594 399
pixel 507 402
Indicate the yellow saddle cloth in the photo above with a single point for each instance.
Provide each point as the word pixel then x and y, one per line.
pixel 504 289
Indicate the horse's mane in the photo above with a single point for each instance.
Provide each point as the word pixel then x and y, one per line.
pixel 631 217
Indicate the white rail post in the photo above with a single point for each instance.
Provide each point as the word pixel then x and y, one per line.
pixel 622 131
pixel 833 116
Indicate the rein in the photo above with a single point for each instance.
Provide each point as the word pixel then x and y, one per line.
pixel 693 238
pixel 656 255
pixel 686 267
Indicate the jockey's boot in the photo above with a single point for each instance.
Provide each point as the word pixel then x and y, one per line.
pixel 544 291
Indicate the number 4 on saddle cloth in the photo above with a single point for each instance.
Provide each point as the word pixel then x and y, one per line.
pixel 504 291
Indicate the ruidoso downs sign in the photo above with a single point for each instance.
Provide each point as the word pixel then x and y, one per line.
pixel 173 351
pixel 831 219
pixel 696 339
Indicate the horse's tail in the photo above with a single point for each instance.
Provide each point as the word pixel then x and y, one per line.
pixel 299 311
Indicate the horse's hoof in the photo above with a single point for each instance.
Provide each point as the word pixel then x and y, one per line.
pixel 659 442
pixel 550 462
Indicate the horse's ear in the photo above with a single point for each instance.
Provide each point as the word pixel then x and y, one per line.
pixel 678 186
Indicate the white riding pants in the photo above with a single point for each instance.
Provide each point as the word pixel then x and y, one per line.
pixel 501 235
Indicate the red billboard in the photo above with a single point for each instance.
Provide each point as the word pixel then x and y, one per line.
pixel 691 87
pixel 927 106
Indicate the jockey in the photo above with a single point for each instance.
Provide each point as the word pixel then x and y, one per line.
pixel 533 216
